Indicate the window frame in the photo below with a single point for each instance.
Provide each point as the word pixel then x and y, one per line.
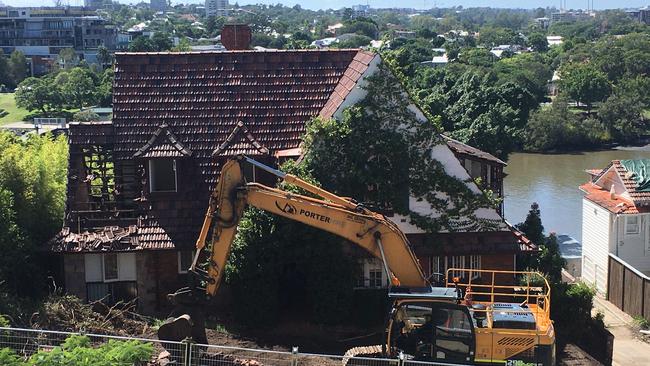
pixel 638 225
pixel 180 262
pixel 117 268
pixel 174 168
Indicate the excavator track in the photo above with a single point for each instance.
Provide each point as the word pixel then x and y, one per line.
pixel 364 351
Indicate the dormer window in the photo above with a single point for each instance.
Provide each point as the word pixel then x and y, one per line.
pixel 162 175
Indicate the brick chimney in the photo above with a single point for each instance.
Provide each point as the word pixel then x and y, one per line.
pixel 236 37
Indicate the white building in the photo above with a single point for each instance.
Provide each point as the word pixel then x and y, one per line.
pixel 216 8
pixel 616 219
pixel 554 40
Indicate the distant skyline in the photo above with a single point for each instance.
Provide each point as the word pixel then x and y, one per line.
pixel 418 4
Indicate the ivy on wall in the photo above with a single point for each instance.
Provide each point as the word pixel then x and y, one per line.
pixel 381 152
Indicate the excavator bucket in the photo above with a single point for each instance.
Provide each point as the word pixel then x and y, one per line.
pixel 176 329
pixel 181 328
pixel 187 320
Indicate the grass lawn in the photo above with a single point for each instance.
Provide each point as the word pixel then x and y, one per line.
pixel 8 103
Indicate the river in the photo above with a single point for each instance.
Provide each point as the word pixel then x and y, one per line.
pixel 552 181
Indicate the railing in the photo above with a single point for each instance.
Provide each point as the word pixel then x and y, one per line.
pixel 627 288
pixel 535 293
pixel 26 342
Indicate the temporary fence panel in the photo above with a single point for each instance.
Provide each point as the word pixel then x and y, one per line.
pixel 26 342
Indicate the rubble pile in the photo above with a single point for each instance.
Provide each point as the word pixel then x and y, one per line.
pixel 70 314
pixel 101 239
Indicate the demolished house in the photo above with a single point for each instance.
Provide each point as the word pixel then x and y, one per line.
pixel 138 186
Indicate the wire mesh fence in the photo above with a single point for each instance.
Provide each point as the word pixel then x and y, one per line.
pixel 27 342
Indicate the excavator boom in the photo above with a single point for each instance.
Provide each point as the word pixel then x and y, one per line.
pixel 371 231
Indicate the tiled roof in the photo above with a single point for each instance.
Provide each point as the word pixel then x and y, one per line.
pixel 240 141
pixel 348 82
pixel 163 144
pixel 461 148
pixel 203 96
pixel 603 198
pixel 83 133
pixel 639 198
pixel 210 106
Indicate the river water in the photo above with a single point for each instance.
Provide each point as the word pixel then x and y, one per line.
pixel 552 181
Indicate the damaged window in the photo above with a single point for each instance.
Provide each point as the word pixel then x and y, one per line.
pixel 162 175
pixel 99 175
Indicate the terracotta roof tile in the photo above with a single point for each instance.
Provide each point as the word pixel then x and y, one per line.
pixel 603 198
pixel 639 198
pixel 348 82
pixel 461 148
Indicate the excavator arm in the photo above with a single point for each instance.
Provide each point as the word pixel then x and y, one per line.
pixel 337 215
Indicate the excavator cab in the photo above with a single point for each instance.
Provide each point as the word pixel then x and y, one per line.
pixel 431 326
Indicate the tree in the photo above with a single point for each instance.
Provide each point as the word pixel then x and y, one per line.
pixel 33 176
pixel 67 58
pixel 77 87
pixel 557 128
pixel 538 42
pixel 532 227
pixel 550 259
pixel 141 44
pixel 85 116
pixel 17 65
pixel 622 115
pixel 105 88
pixel 104 56
pixel 161 42
pixel 584 83
pixel 477 57
pixel 356 41
pixel 39 94
pixel 494 36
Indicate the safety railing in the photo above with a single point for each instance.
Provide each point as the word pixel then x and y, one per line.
pixel 532 290
pixel 27 342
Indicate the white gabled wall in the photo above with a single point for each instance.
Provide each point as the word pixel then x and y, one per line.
pixel 440 152
pixel 596 242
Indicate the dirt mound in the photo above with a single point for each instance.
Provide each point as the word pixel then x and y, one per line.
pixel 69 313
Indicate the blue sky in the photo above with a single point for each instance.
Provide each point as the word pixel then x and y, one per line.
pixel 419 4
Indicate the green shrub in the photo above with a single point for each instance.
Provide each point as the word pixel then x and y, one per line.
pixel 641 322
pixel 4 322
pixel 77 350
pixel 9 358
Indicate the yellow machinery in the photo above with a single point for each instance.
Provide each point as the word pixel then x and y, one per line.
pixel 473 320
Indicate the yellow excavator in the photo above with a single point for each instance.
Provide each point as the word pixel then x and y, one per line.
pixel 474 319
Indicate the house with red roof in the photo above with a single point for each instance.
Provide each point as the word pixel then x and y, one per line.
pixel 616 220
pixel 138 186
